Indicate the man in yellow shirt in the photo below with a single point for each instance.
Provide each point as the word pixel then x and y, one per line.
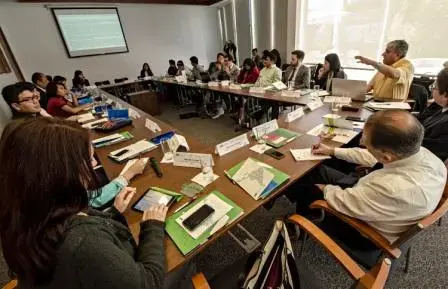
pixel 395 74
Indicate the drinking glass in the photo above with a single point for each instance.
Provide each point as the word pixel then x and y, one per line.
pixel 207 168
pixel 315 93
pixel 335 106
pixel 166 149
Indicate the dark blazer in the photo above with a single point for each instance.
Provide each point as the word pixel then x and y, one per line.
pixel 43 97
pixel 323 81
pixel 302 79
pixel 435 123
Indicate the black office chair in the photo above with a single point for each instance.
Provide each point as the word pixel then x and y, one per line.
pixel 98 83
pixel 106 82
pixel 420 96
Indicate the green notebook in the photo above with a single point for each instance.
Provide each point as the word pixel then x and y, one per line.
pixel 182 239
pixel 112 139
pixel 280 137
pixel 279 177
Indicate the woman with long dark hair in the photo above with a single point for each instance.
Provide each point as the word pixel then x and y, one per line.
pixel 146 70
pixel 58 105
pixel 79 80
pixel 331 69
pixel 49 236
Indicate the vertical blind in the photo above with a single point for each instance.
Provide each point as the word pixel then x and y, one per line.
pixel 363 27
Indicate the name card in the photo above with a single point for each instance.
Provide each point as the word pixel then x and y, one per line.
pixel 315 104
pixel 293 115
pixel 192 160
pixel 279 85
pixel 177 141
pixel 232 144
pixel 337 99
pixel 290 93
pixel 235 87
pixel 265 128
pixel 213 84
pixel 256 89
pixel 225 83
pixel 152 126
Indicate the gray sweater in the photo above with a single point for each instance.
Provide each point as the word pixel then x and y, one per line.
pixel 99 252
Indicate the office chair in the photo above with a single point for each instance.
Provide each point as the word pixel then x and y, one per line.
pixel 394 250
pixel 373 279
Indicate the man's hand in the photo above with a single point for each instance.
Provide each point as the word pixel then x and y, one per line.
pixel 321 149
pixel 365 60
pixel 157 213
pixel 123 199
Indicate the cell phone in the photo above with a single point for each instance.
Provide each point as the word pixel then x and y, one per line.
pixel 122 152
pixel 349 108
pixel 275 154
pixel 198 217
pixel 153 198
pixel 355 118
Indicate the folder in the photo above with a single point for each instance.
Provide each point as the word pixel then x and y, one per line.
pixel 111 139
pixel 280 137
pixel 279 177
pixel 183 240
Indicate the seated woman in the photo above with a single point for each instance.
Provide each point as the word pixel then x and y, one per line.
pixel 58 105
pixel 79 81
pixel 181 67
pixel 249 73
pixel 331 69
pixel 49 236
pixel 108 192
pixel 146 70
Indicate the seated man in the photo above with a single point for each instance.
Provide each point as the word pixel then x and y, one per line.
pixel 40 80
pixel 195 73
pixel 230 68
pixel 435 118
pixel 23 99
pixel 212 66
pixel 395 74
pixel 297 73
pixel 390 199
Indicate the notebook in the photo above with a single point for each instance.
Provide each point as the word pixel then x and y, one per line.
pixel 280 137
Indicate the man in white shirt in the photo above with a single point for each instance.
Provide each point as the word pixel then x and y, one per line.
pixel 390 199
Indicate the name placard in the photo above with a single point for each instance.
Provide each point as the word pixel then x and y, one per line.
pixel 152 126
pixel 295 114
pixel 192 160
pixel 235 87
pixel 265 128
pixel 256 89
pixel 315 104
pixel 225 83
pixel 290 93
pixel 213 84
pixel 232 144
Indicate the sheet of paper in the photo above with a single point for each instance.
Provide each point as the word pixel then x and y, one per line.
pixel 388 105
pixel 152 126
pixel 290 93
pixel 86 117
pixel 213 84
pixel 192 160
pixel 278 140
pixel 232 144
pixel 330 115
pixel 253 178
pixel 279 85
pixel 306 155
pixel 220 224
pixel 337 99
pixel 225 83
pixel 107 138
pixel 345 136
pixel 260 148
pixel 316 130
pixel 130 163
pixel 256 89
pixel 221 208
pixel 135 149
pixel 235 87
pixel 203 180
pixel 358 125
pixel 265 128
pixel 293 115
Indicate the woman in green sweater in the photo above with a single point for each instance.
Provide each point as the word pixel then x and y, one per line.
pixel 49 236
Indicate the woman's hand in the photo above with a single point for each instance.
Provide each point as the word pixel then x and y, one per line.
pixel 137 168
pixel 123 199
pixel 157 213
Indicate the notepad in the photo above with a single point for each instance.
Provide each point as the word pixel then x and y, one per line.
pixel 111 139
pixel 133 150
pixel 253 178
pixel 306 155
pixel 280 137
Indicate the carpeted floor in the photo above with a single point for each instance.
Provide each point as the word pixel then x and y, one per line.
pixel 430 251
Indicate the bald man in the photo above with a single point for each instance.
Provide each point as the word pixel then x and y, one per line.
pixel 404 189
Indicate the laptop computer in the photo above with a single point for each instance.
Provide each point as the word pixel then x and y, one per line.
pixel 356 89
pixel 205 77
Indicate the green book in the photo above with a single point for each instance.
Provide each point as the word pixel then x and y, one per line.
pixel 180 236
pixel 279 177
pixel 280 137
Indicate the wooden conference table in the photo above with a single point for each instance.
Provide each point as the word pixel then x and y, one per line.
pixel 174 177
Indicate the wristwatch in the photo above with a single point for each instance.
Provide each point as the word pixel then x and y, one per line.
pixel 377 65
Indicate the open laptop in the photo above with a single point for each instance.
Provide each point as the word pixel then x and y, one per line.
pixel 356 89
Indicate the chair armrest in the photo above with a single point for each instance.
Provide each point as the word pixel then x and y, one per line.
pixel 366 230
pixel 377 277
pixel 11 285
pixel 341 256
pixel 199 281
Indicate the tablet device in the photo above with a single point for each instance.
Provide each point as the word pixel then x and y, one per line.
pixel 153 198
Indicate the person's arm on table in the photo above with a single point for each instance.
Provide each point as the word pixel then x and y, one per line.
pixel 75 110
pixel 353 155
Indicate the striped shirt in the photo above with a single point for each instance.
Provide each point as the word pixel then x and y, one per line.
pixel 388 88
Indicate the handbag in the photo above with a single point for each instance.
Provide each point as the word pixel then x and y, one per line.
pixel 274 267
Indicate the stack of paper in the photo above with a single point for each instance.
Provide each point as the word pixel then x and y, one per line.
pixel 187 240
pixel 132 150
pixel 306 155
pixel 387 105
pixel 111 139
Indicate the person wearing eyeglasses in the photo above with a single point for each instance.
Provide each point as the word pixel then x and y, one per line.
pixel 58 105
pixel 435 117
pixel 23 99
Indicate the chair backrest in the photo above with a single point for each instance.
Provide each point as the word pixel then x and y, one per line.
pixel 420 95
pixel 98 83
pixel 439 212
pixel 106 82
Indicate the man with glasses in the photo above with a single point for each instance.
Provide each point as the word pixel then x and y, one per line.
pixel 435 117
pixel 395 73
pixel 23 99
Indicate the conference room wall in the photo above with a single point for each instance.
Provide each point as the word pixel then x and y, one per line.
pixel 154 33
